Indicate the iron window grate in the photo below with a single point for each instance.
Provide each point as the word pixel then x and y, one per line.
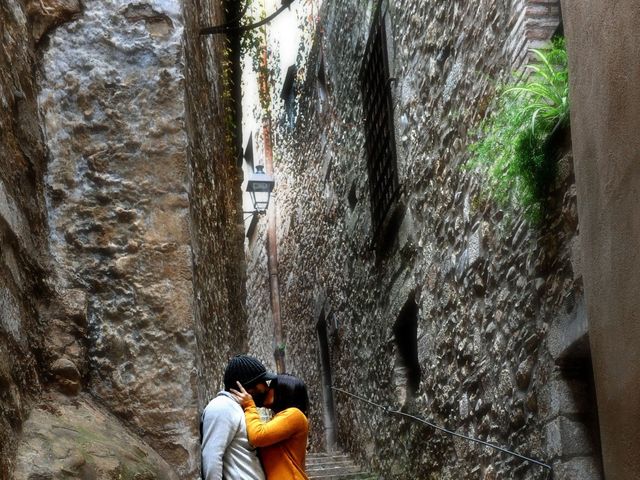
pixel 379 129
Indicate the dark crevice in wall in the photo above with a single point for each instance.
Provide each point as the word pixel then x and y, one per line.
pixel 405 331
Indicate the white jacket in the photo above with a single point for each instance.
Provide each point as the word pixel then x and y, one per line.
pixel 226 451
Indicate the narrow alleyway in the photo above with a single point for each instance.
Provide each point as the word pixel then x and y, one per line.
pixel 426 210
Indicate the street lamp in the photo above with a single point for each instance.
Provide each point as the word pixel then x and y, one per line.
pixel 260 186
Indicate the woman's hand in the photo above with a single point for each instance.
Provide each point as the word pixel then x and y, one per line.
pixel 241 396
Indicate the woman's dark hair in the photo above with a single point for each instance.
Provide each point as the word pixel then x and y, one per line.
pixel 290 392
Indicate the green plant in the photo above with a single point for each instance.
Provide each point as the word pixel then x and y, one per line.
pixel 511 149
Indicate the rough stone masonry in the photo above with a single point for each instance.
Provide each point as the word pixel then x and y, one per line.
pixel 101 373
pixel 492 296
pixel 113 111
pixel 23 262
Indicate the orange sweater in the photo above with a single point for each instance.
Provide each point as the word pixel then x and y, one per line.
pixel 281 442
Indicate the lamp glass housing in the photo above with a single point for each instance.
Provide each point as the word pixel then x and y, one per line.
pixel 260 186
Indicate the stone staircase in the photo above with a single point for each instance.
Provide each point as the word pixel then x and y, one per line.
pixel 334 466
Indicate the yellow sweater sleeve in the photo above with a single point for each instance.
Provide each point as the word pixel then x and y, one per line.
pixel 283 425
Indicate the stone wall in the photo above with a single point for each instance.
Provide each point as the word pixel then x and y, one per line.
pixel 99 163
pixel 279 35
pixel 492 291
pixel 216 216
pixel 24 285
pixel 261 334
pixel 113 105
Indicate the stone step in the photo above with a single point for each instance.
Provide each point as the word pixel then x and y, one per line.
pixel 334 466
pixel 340 468
pixel 319 475
pixel 340 476
pixel 334 469
pixel 327 460
pixel 321 463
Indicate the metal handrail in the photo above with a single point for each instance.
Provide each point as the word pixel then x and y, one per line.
pixel 389 410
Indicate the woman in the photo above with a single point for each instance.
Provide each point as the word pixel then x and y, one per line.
pixel 282 441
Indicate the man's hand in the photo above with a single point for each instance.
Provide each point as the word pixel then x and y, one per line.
pixel 241 396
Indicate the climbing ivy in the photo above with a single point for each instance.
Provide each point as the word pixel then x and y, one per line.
pixel 511 149
pixel 251 42
pixel 253 45
pixel 227 96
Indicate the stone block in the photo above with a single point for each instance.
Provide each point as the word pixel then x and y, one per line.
pixel 74 304
pixel 567 438
pixel 474 248
pixel 579 468
pixel 565 397
pixel 470 256
pixel 407 231
pixel 463 406
pixel 65 368
pixel 569 330
pixel 523 374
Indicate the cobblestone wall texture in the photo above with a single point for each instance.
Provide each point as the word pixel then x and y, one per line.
pixel 490 287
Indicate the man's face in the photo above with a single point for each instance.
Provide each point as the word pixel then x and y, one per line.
pixel 262 395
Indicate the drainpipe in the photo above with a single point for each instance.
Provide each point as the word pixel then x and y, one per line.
pixel 272 241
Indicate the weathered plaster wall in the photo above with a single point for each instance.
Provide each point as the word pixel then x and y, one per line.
pixel 24 287
pixel 216 216
pixel 604 52
pixel 113 105
pixel 492 291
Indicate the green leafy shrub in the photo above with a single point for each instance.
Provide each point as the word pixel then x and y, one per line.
pixel 511 149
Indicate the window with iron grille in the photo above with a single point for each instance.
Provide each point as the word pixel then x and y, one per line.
pixel 378 118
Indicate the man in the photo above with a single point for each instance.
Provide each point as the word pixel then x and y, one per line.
pixel 226 451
